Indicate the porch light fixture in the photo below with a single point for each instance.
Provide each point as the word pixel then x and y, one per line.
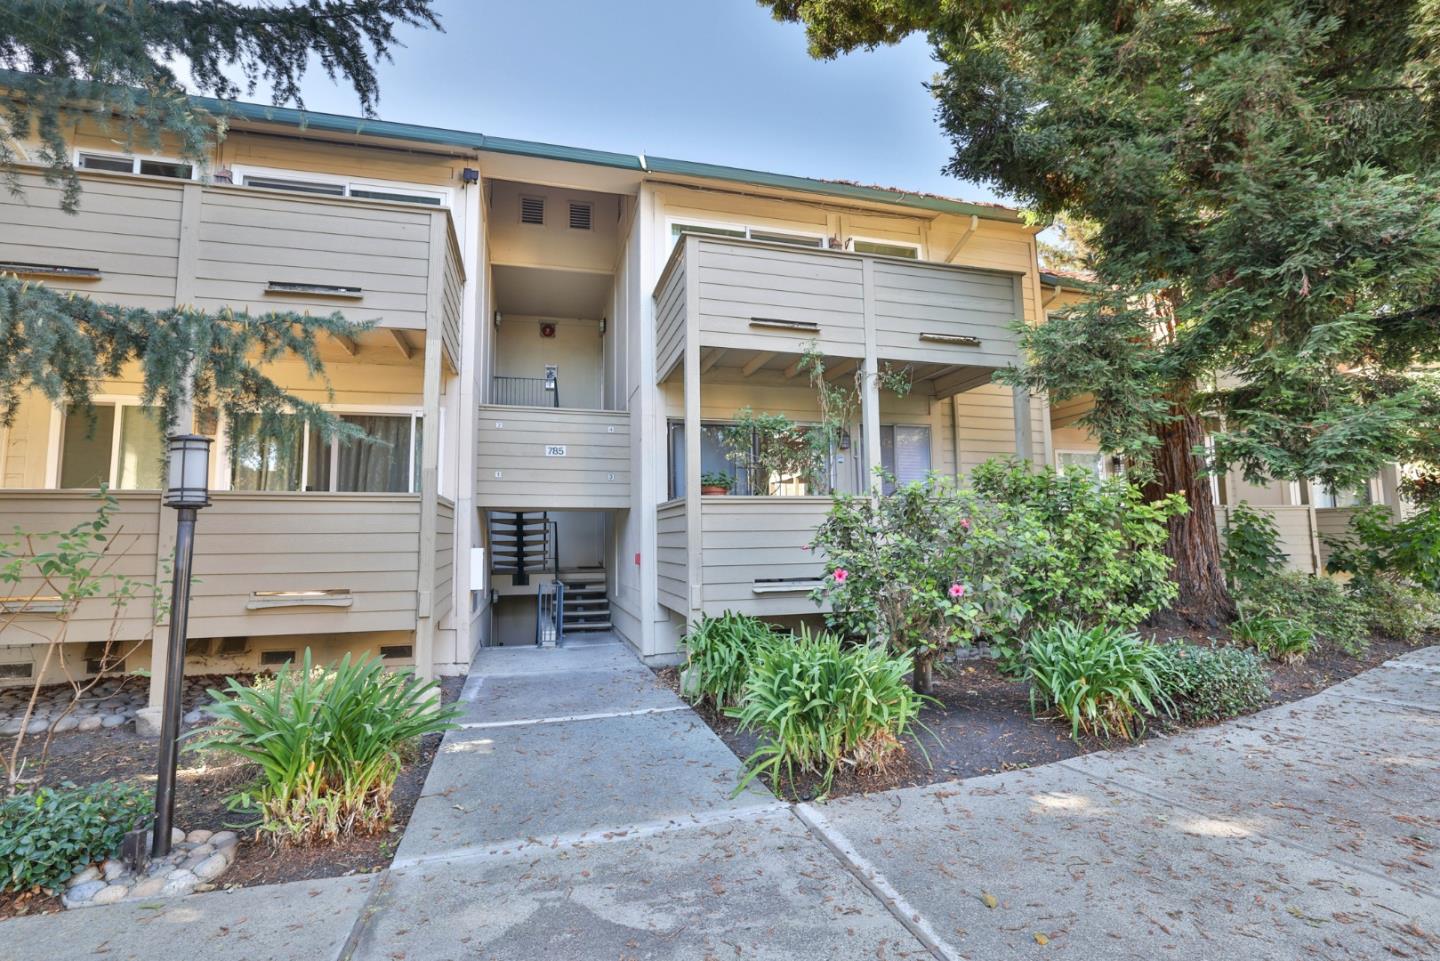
pixel 187 491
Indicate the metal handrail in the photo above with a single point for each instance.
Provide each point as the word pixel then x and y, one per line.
pixel 550 613
pixel 525 391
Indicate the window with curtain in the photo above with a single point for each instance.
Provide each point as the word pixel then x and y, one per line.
pixel 118 445
pixel 904 453
pixel 715 459
pixel 387 462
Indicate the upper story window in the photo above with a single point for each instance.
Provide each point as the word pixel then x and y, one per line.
pixel 1324 497
pixel 387 463
pixel 678 227
pixel 118 443
pixel 337 187
pixel 129 164
pixel 884 248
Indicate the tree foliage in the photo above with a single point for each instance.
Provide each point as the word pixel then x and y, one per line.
pixel 1256 186
pixel 116 62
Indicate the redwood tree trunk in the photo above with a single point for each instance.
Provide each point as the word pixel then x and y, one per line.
pixel 1194 542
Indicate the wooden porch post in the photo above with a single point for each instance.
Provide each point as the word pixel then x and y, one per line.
pixel 1024 442
pixel 430 450
pixel 691 370
pixel 870 380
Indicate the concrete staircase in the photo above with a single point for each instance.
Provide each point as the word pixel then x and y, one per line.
pixel 587 601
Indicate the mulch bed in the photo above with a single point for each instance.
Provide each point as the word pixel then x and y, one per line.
pixel 203 782
pixel 983 724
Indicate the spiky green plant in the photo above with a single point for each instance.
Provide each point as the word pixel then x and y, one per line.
pixel 721 652
pixel 1102 680
pixel 818 704
pixel 1276 638
pixel 330 744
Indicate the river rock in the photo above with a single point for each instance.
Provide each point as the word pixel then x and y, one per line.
pixel 224 839
pixel 67 723
pixel 90 722
pixel 149 888
pixel 113 720
pixel 212 867
pixel 112 869
pixel 88 873
pixel 111 893
pixel 82 893
pixel 179 883
pixel 199 836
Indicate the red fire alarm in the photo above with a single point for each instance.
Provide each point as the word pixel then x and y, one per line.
pixel 547 329
pixel 637 558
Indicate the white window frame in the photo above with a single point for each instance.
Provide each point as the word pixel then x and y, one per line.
pixel 225 475
pixel 748 228
pixel 911 245
pixel 135 160
pixel 445 195
pixel 53 465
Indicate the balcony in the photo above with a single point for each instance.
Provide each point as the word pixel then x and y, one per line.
pixel 751 555
pixel 152 242
pixel 548 458
pixel 265 563
pixel 747 301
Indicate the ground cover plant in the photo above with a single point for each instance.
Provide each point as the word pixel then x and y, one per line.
pixel 330 743
pixel 819 704
pixel 47 833
pixel 1214 683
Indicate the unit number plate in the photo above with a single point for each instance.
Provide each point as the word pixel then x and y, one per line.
pixel 554 450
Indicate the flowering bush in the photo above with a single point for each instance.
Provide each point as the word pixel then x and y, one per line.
pixel 934 566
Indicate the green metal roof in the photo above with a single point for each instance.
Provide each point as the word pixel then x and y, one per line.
pixel 415 133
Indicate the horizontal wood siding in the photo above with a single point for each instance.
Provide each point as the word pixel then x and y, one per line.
pixel 133 539
pixel 670 321
pixel 367 544
pixel 126 228
pixel 452 304
pixel 912 300
pixel 1332 522
pixel 513 470
pixel 1296 538
pixel 746 539
pixel 249 238
pixel 672 560
pixel 740 282
pixel 444 557
pixel 986 426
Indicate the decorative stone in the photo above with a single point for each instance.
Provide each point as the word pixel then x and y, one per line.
pixel 194 717
pixel 177 836
pixel 110 894
pixel 88 873
pixel 38 725
pixel 179 883
pixel 224 839
pixel 212 867
pixel 112 869
pixel 199 836
pixel 90 722
pixel 203 851
pixel 82 893
pixel 149 888
pixel 68 723
pixel 112 720
pixel 10 727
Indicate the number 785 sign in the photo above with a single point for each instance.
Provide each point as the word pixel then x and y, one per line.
pixel 554 450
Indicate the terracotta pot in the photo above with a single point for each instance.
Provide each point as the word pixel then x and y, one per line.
pixel 714 490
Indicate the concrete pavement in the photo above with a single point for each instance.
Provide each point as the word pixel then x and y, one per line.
pixel 584 813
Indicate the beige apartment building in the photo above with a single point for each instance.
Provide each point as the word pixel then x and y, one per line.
pixel 560 336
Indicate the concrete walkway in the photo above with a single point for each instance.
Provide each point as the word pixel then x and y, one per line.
pixel 584 813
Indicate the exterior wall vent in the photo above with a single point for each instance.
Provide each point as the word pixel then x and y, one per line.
pixel 395 652
pixel 580 215
pixel 17 670
pixel 233 646
pixel 276 658
pixel 532 210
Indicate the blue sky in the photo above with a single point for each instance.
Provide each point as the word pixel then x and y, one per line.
pixel 707 80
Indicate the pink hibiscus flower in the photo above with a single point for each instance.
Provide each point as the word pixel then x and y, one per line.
pixel 840 575
pixel 957 590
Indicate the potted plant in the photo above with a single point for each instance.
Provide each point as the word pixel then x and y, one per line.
pixel 714 482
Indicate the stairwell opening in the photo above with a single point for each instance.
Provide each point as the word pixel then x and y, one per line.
pixel 548 576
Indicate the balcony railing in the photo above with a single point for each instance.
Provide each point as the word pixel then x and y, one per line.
pixel 524 391
pixel 533 458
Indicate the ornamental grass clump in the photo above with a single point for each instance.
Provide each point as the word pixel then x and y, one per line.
pixel 722 651
pixel 1102 680
pixel 330 744
pixel 819 705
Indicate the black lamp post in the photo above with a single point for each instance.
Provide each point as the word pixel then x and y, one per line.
pixel 187 490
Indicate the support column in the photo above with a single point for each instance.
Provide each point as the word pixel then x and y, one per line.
pixel 870 381
pixel 1024 441
pixel 693 517
pixel 430 451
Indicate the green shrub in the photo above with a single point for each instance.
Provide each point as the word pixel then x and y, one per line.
pixel 818 704
pixel 1335 618
pixel 1376 546
pixel 1252 547
pixel 329 742
pixel 1214 683
pixel 1277 638
pixel 721 653
pixel 48 834
pixel 1400 612
pixel 1101 679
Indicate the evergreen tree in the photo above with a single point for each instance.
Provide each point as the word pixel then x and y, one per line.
pixel 116 62
pixel 1256 184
